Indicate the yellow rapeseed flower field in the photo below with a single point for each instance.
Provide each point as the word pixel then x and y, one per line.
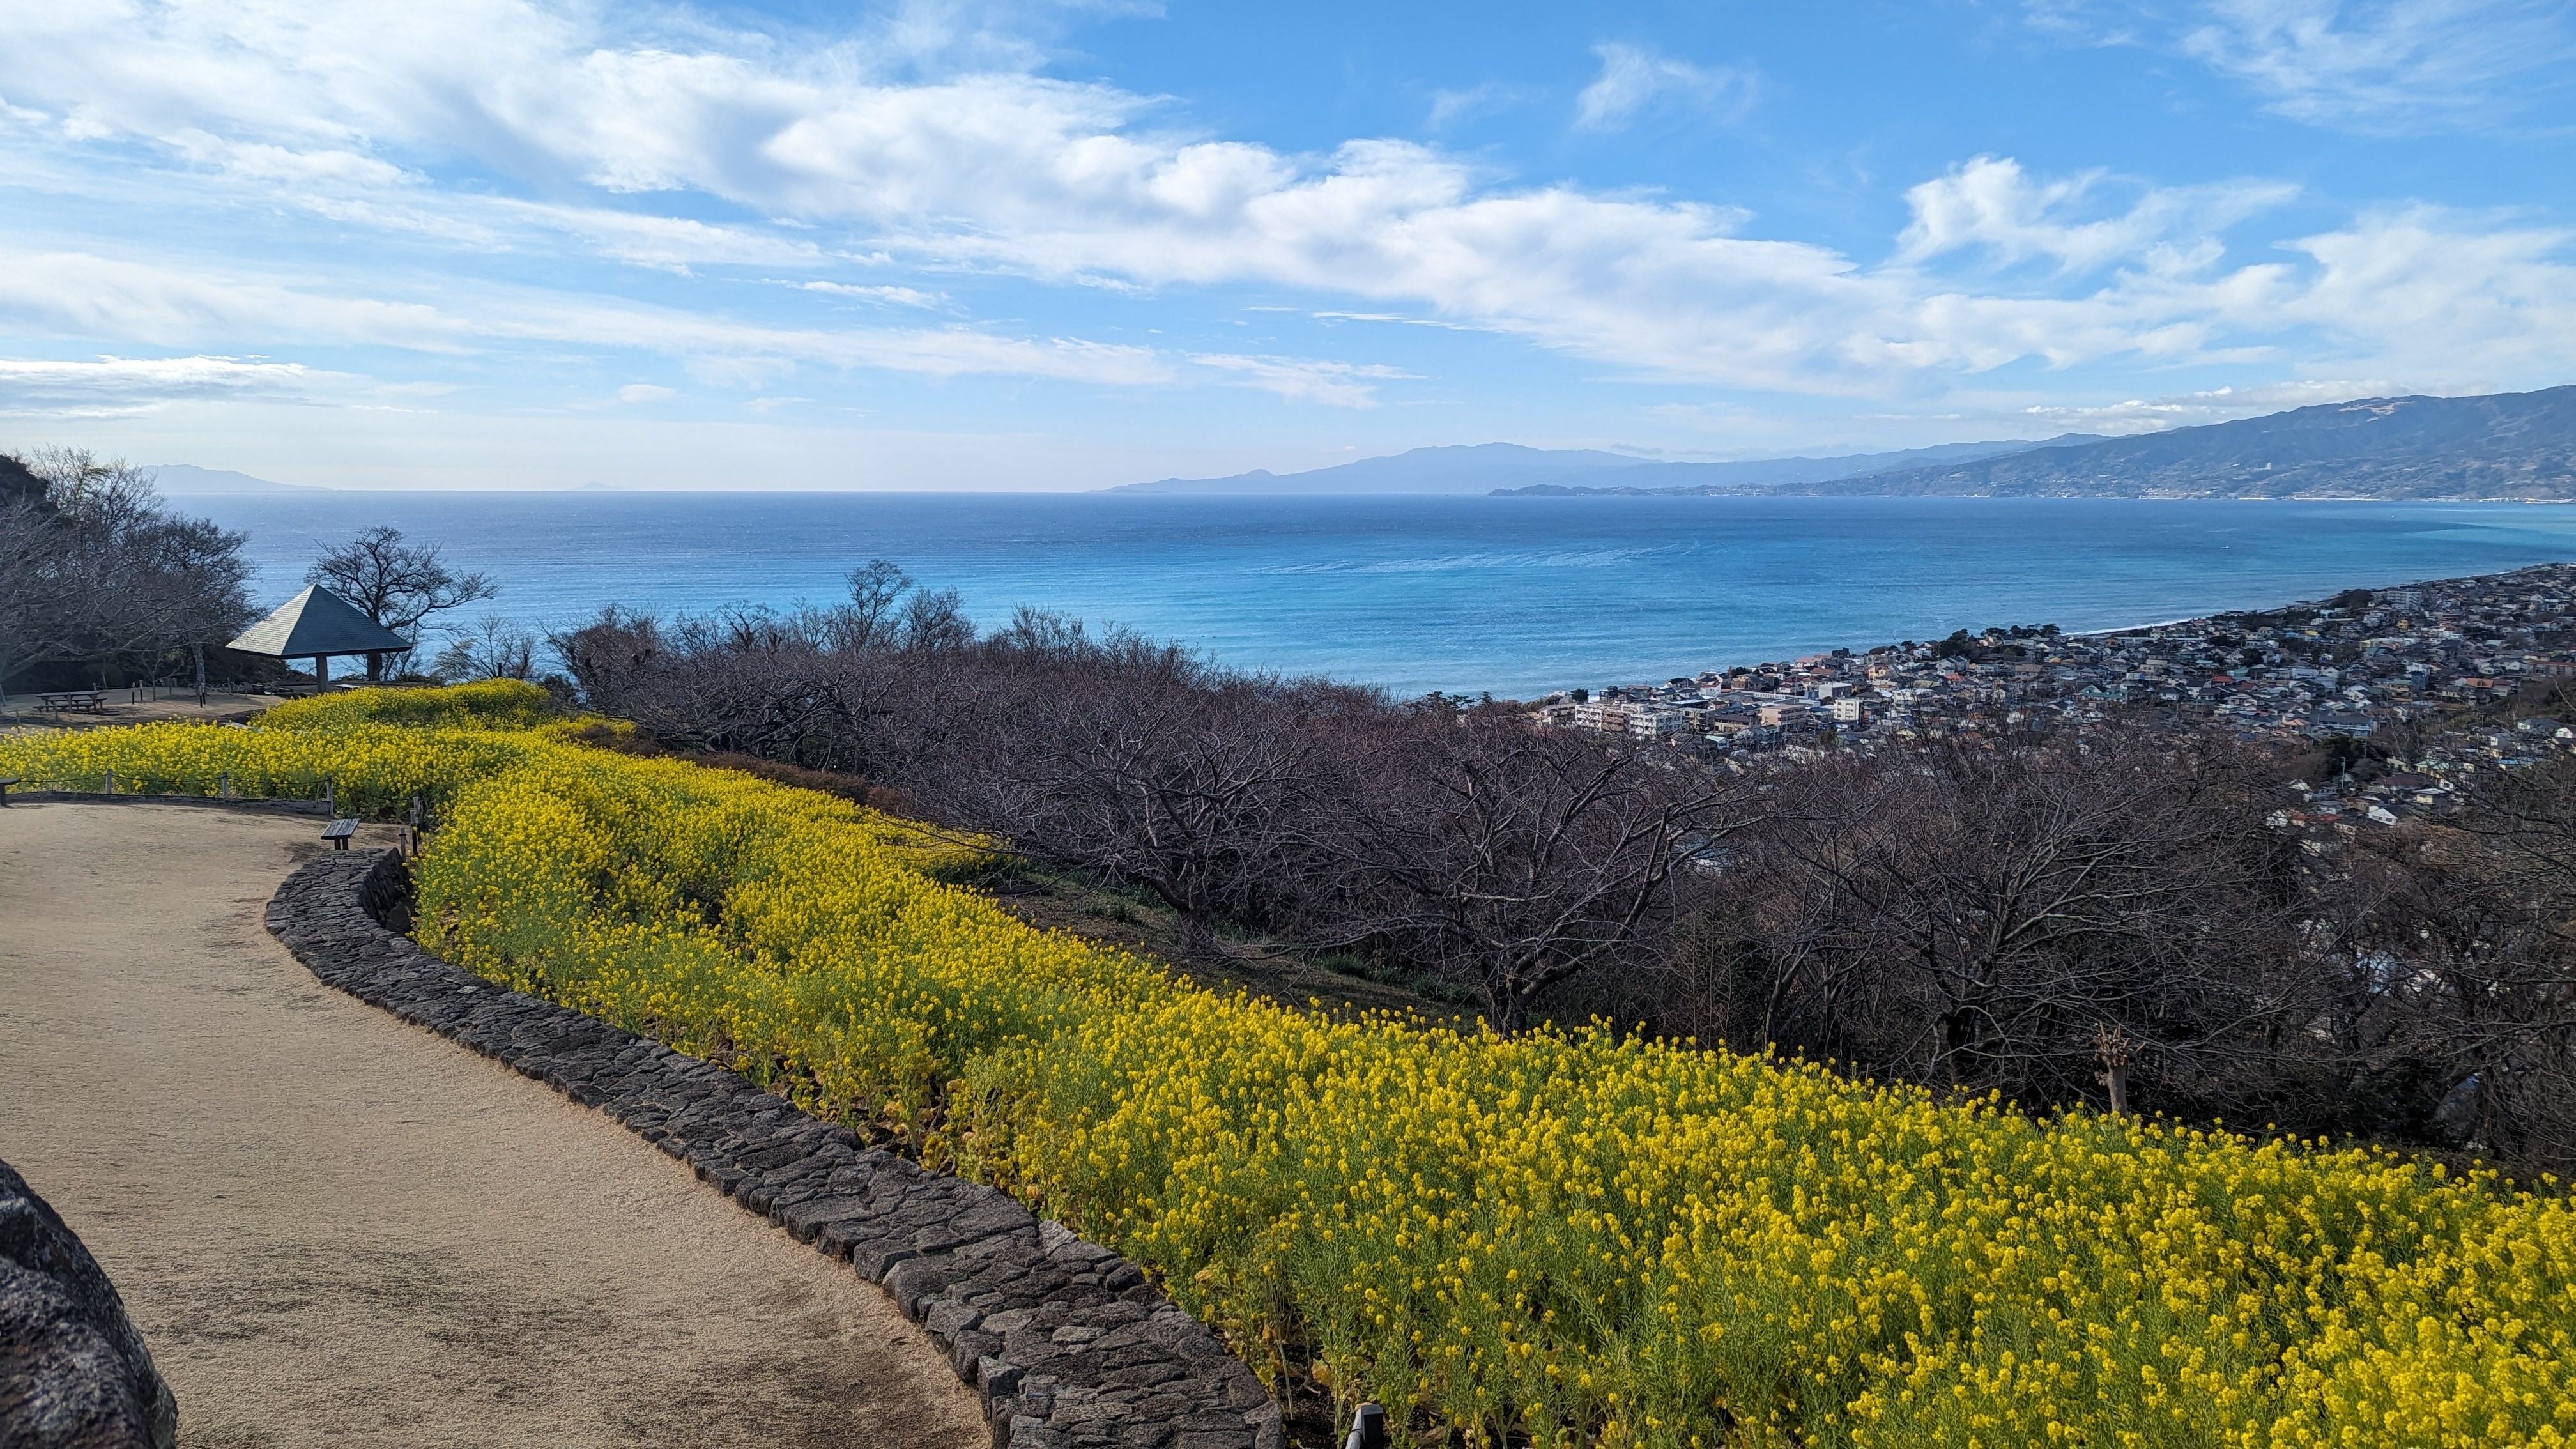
pixel 1580 1237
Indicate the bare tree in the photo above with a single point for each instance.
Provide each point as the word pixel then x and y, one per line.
pixel 1153 778
pixel 1513 857
pixel 495 648
pixel 2459 965
pixel 394 583
pixel 1978 918
pixel 94 568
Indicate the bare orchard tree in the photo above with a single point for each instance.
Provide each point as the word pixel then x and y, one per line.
pixel 1134 763
pixel 613 659
pixel 495 648
pixel 2462 962
pixel 94 568
pixel 1514 858
pixel 1977 919
pixel 26 537
pixel 396 584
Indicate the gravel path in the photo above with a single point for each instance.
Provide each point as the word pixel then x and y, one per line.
pixel 334 1229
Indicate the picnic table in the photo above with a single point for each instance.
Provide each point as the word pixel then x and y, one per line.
pixel 61 701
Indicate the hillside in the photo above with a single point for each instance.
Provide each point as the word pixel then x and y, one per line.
pixel 2510 445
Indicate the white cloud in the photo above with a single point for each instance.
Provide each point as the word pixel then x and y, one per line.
pixel 667 242
pixel 898 296
pixel 2450 294
pixel 256 161
pixel 1990 203
pixel 77 294
pixel 644 392
pixel 1335 384
pixel 2369 65
pixel 2192 409
pixel 1450 107
pixel 1634 80
pixel 115 386
pixel 82 295
pixel 998 171
pixel 2384 62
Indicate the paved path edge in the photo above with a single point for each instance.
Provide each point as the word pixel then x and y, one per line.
pixel 1065 1342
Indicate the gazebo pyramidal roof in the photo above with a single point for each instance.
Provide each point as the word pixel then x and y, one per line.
pixel 316 624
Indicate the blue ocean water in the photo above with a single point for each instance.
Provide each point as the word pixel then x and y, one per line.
pixel 1512 595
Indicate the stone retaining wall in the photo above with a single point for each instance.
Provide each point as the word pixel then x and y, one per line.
pixel 73 1372
pixel 1065 1341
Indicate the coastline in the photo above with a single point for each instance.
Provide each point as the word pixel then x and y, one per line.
pixel 1430 593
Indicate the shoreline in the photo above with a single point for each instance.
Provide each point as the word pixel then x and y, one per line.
pixel 2453 581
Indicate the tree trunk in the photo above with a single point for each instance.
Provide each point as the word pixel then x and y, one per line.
pixel 200 651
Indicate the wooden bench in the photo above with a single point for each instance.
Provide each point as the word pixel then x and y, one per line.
pixel 338 833
pixel 61 701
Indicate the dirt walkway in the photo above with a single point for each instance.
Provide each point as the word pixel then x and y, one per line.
pixel 334 1229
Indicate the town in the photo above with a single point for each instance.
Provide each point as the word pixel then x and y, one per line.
pixel 2408 692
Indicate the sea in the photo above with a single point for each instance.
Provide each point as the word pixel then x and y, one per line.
pixel 1467 595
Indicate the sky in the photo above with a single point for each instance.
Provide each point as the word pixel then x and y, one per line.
pixel 525 244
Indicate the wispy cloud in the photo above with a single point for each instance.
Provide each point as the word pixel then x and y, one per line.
pixel 113 386
pixel 2365 65
pixel 1336 384
pixel 1991 204
pixel 2191 409
pixel 86 295
pixel 1448 107
pixel 896 296
pixel 1634 80
pixel 707 150
pixel 2391 62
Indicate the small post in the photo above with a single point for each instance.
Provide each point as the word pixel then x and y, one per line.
pixel 1368 1429
pixel 111 782
pixel 228 784
pixel 2113 1049
pixel 5 782
pixel 331 793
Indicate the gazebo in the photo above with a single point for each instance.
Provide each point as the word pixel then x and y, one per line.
pixel 316 625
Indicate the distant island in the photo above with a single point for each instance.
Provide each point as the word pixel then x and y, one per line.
pixel 2504 447
pixel 187 480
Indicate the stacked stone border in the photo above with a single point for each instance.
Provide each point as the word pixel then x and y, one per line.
pixel 73 1372
pixel 1065 1342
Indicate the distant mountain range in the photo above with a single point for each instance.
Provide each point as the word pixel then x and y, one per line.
pixel 1508 467
pixel 184 480
pixel 2509 445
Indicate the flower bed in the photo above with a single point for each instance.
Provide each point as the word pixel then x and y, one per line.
pixel 1572 1235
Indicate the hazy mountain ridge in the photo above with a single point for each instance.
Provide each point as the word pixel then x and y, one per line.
pixel 2502 446
pixel 1511 468
pixel 185 480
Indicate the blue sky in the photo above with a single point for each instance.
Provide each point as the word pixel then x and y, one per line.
pixel 510 243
